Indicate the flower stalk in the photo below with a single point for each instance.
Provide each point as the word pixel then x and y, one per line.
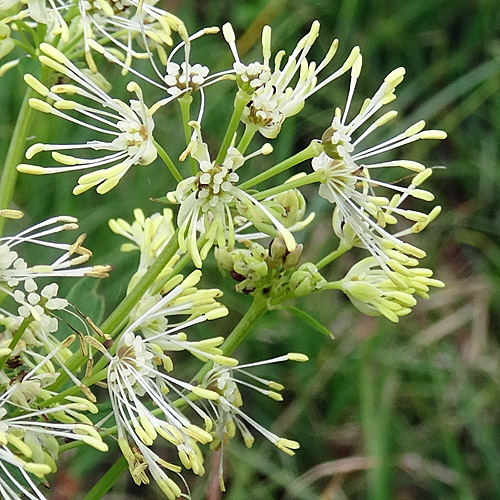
pixel 15 152
pixel 240 101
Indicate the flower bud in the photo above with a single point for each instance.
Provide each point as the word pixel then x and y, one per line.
pixel 306 280
pixel 6 43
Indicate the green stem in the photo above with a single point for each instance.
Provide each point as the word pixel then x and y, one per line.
pixel 306 154
pixel 168 162
pixel 114 320
pixel 185 105
pixel 341 250
pixel 240 102
pixel 246 138
pixel 15 153
pixel 16 338
pixel 301 181
pixel 108 480
pixel 27 48
pixel 239 333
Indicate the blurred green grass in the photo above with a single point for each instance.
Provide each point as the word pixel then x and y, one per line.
pixel 403 412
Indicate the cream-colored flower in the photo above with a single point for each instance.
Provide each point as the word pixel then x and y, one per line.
pixel 373 293
pixel 207 200
pixel 361 216
pixel 280 92
pixel 128 127
pixel 228 415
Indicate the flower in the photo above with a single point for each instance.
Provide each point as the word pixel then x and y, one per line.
pixel 272 98
pixel 108 21
pixel 175 79
pixel 14 269
pixel 28 440
pixel 149 235
pixel 130 127
pixel 206 201
pixel 120 22
pixel 228 415
pixel 140 375
pixel 374 294
pixel 360 216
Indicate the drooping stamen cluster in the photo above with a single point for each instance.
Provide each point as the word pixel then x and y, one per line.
pixel 373 293
pixel 28 440
pixel 274 95
pixel 129 127
pixel 122 21
pixel 14 269
pixel 360 216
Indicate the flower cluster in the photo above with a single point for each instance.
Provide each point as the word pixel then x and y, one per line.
pixel 34 419
pixel 165 421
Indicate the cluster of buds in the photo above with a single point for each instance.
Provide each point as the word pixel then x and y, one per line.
pixel 258 268
pixel 373 293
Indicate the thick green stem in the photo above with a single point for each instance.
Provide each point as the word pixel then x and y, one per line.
pixel 15 153
pixel 246 138
pixel 185 105
pixel 242 329
pixel 341 250
pixel 240 102
pixel 108 480
pixel 16 338
pixel 301 181
pixel 168 162
pixel 306 154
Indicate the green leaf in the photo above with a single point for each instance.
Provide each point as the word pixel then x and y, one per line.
pixel 309 320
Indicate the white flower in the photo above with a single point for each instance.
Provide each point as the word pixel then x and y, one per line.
pixel 139 376
pixel 28 440
pixel 206 201
pixel 14 269
pixel 178 78
pixel 279 93
pixel 173 78
pixel 361 216
pixel 227 412
pixel 129 127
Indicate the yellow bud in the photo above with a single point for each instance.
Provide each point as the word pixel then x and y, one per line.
pixel 225 360
pixel 51 51
pixel 433 134
pixel 275 395
pixel 415 128
pixel 30 169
